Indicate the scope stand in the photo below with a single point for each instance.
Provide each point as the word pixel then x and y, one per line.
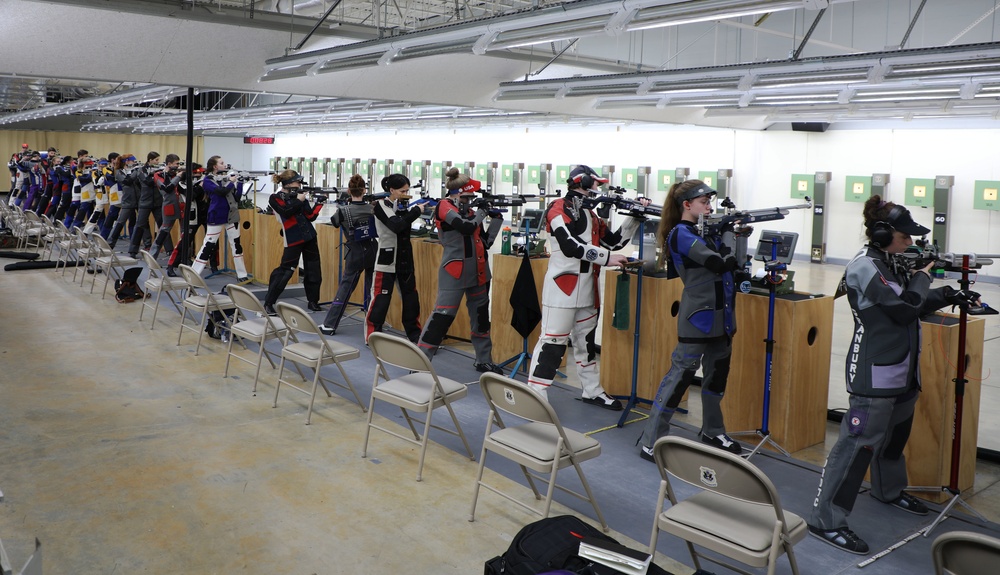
pixel 773 279
pixel 956 437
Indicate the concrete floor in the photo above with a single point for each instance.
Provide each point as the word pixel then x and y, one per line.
pixel 125 453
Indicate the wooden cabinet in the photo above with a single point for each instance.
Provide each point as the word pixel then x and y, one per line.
pixel 800 369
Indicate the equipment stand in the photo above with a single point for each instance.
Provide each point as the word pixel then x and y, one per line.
pixel 956 438
pixel 773 279
pixel 633 396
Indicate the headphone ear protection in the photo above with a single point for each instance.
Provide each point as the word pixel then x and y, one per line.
pixel 586 181
pixel 882 230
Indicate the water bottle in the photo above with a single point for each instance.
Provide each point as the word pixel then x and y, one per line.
pixel 505 241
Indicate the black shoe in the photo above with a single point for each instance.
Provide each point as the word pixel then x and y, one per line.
pixel 244 280
pixel 909 503
pixel 269 309
pixel 133 256
pixel 723 442
pixel 604 400
pixel 327 330
pixel 843 538
pixel 313 306
pixel 488 367
pixel 647 453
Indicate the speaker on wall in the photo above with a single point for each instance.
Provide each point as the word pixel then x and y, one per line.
pixel 809 126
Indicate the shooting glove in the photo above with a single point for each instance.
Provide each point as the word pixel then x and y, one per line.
pixel 731 264
pixel 960 298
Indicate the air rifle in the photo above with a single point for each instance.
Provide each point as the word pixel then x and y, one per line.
pixel 622 204
pixel 715 224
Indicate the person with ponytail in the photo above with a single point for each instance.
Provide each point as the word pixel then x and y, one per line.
pixel 296 215
pixel 224 194
pixel 706 321
pixel 465 267
pixel 887 300
pixel 357 221
pixel 394 263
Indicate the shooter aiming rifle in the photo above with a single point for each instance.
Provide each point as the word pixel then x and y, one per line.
pixel 715 224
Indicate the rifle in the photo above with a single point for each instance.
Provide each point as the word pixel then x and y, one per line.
pixel 923 252
pixel 715 224
pixel 622 204
pixel 511 201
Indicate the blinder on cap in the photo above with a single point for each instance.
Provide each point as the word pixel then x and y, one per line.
pixel 901 220
pixel 696 192
pixel 291 180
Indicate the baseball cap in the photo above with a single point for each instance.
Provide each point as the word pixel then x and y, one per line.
pixel 901 220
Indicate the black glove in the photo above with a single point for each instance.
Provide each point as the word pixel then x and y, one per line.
pixel 731 264
pixel 495 213
pixel 481 203
pixel 960 298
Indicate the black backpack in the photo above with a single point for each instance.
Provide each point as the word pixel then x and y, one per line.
pixel 127 289
pixel 550 544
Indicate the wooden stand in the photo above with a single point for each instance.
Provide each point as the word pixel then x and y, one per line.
pixel 928 452
pixel 800 369
pixel 268 245
pixel 657 335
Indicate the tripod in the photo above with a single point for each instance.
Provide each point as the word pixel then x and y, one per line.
pixel 633 396
pixel 960 381
pixel 772 268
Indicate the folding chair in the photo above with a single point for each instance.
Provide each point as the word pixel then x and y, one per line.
pixel 33 230
pixel 737 515
pixel 55 238
pixel 87 250
pixel 69 249
pixel 541 444
pixel 312 353
pixel 160 283
pixel 965 553
pixel 251 323
pixel 421 391
pixel 108 262
pixel 200 299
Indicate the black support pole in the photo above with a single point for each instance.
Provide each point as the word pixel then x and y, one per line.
pixel 189 182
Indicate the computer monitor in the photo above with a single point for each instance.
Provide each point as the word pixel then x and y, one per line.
pixel 531 220
pixel 786 245
pixel 647 231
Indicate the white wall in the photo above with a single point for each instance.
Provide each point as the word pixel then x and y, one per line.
pixel 762 163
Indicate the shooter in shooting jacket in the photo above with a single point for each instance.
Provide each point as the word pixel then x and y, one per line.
pixel 706 321
pixel 356 219
pixel 296 215
pixel 570 300
pixel 465 267
pixel 882 373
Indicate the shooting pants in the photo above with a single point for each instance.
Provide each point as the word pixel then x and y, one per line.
pixel 312 277
pixel 360 258
pixel 382 287
pixel 873 434
pixel 477 301
pixel 559 326
pixel 684 363
pixel 211 243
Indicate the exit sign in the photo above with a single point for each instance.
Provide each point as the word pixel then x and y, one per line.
pixel 258 139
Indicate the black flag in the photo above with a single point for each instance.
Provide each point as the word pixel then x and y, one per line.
pixel 524 299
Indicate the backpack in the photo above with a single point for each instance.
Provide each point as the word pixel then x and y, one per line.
pixel 551 544
pixel 127 289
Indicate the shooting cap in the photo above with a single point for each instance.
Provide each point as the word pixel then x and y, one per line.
pixel 103 161
pixel 461 183
pixel 901 220
pixel 702 189
pixel 292 179
pixel 583 175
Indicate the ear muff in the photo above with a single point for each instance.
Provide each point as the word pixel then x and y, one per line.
pixel 882 230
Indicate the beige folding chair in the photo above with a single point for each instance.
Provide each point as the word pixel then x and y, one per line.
pixel 108 262
pixel 33 231
pixel 251 323
pixel 312 353
pixel 87 251
pixel 55 238
pixel 200 299
pixel 420 391
pixel 541 444
pixel 160 283
pixel 72 249
pixel 737 515
pixel 965 553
